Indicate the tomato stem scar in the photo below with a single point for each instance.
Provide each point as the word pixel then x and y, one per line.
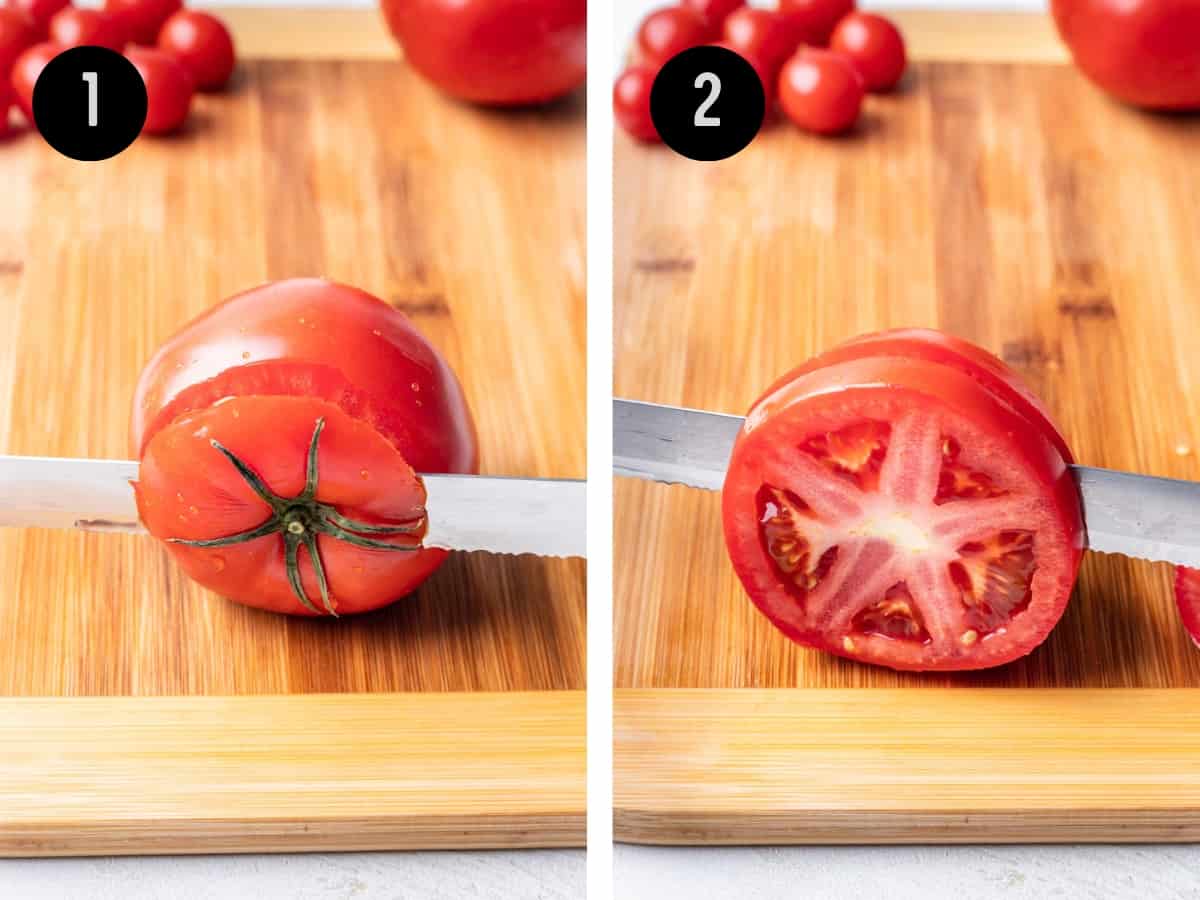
pixel 300 519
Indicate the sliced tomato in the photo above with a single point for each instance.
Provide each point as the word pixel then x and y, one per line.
pixel 1187 596
pixel 897 512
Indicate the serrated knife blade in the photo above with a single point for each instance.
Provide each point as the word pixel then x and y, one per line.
pixel 541 516
pixel 1142 516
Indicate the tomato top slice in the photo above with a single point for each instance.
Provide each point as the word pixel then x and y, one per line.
pixel 1187 598
pixel 948 350
pixel 896 512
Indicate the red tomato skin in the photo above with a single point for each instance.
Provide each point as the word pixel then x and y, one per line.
pixel 76 27
pixel 25 73
pixel 6 103
pixel 315 338
pixel 494 52
pixel 875 46
pixel 631 103
pixel 766 74
pixel 201 44
pixel 17 34
pixel 821 91
pixel 671 30
pixel 816 19
pixel 39 13
pixel 143 19
pixel 714 12
pixel 1144 52
pixel 918 381
pixel 1187 597
pixel 169 89
pixel 761 34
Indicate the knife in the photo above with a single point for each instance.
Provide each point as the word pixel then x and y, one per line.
pixel 543 516
pixel 1134 515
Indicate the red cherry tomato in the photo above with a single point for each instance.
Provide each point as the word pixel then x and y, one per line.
pixel 143 18
pixel 761 34
pixel 816 19
pixel 765 73
pixel 874 45
pixel 7 99
pixel 495 52
pixel 40 12
pixel 169 89
pixel 893 509
pixel 666 32
pixel 202 44
pixel 714 12
pixel 75 27
pixel 25 73
pixel 631 102
pixel 1187 597
pixel 270 374
pixel 821 91
pixel 1145 52
pixel 17 34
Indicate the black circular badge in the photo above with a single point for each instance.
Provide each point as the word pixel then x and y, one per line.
pixel 707 103
pixel 89 103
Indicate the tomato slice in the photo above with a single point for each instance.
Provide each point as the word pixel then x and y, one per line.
pixel 896 512
pixel 1187 597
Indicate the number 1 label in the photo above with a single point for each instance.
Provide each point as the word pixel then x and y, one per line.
pixel 93 80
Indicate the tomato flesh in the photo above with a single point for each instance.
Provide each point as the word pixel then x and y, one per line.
pixel 895 512
pixel 1187 597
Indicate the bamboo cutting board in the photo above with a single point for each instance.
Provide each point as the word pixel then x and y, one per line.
pixel 358 171
pixel 1008 203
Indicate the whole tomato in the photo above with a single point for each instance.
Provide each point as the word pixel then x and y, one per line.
pixel 40 12
pixel 631 102
pixel 76 27
pixel 1145 52
pixel 25 72
pixel 143 18
pixel 280 435
pixel 169 89
pixel 875 46
pixel 821 91
pixel 17 34
pixel 494 52
pixel 671 30
pixel 202 44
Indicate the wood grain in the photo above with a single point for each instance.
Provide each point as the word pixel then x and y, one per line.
pixel 852 766
pixel 469 221
pixel 1010 204
pixel 250 774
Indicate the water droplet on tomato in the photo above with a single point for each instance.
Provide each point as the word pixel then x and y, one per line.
pixel 218 563
pixel 193 510
pixel 376 332
pixel 416 387
pixel 364 474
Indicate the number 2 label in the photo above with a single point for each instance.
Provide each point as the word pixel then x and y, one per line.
pixel 714 91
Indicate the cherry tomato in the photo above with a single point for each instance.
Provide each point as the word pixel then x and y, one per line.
pixel 874 45
pixel 39 12
pixel 325 401
pixel 631 102
pixel 668 31
pixel 765 73
pixel 7 99
pixel 1145 52
pixel 75 27
pixel 202 43
pixel 714 12
pixel 893 510
pixel 1187 597
pixel 816 19
pixel 169 89
pixel 17 34
pixel 143 18
pixel 494 52
pixel 821 91
pixel 761 34
pixel 25 73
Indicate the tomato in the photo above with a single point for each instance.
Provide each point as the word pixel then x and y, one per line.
pixel 7 99
pixel 1145 52
pixel 494 52
pixel 17 34
pixel 202 44
pixel 816 19
pixel 821 91
pixel 874 45
pixel 1187 597
pixel 894 510
pixel 75 27
pixel 765 74
pixel 143 18
pixel 761 34
pixel 279 436
pixel 25 73
pixel 714 12
pixel 39 13
pixel 169 89
pixel 631 102
pixel 666 32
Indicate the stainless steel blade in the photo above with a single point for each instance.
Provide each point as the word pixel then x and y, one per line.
pixel 466 512
pixel 1133 515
